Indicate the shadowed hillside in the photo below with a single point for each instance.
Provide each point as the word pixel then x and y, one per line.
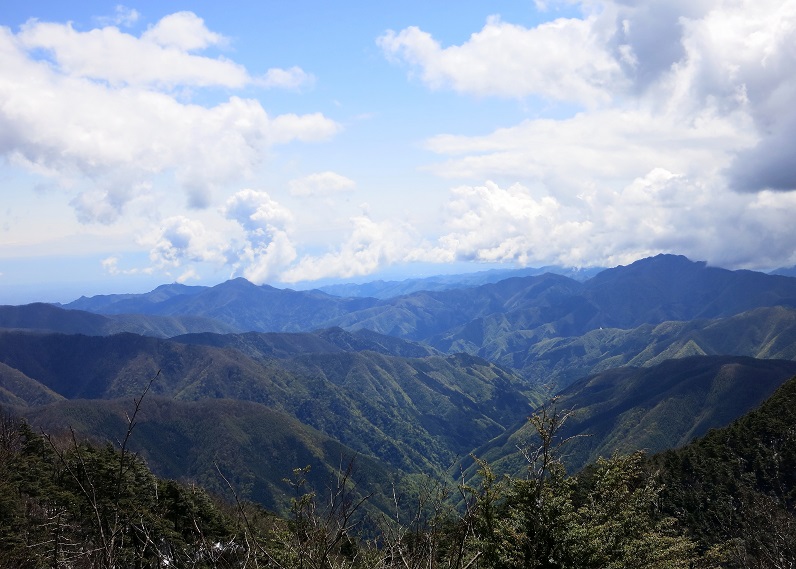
pixel 42 317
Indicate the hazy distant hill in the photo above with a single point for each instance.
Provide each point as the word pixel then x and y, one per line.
pixel 133 303
pixel 49 318
pixel 550 328
pixel 649 291
pixel 784 271
pixel 655 408
pixel 237 304
pixel 389 289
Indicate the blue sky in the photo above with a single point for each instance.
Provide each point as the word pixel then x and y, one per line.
pixel 301 142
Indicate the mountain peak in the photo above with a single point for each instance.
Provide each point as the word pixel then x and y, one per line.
pixel 663 265
pixel 239 283
pixel 666 260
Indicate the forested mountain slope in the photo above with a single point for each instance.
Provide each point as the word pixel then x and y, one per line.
pixel 418 414
pixel 279 345
pixel 736 486
pixel 653 409
pixel 256 448
pixel 766 333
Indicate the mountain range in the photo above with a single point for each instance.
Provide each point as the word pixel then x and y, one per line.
pixel 259 380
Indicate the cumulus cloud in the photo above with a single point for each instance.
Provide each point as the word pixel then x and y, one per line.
pixel 184 30
pixel 292 78
pixel 712 66
pixel 181 240
pixel 267 247
pixel 371 245
pixel 743 55
pixel 566 59
pixel 159 57
pixel 654 213
pixel 107 205
pixel 111 266
pixel 606 147
pixel 257 212
pixel 683 141
pixel 321 183
pixel 98 105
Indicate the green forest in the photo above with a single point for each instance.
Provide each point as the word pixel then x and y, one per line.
pixel 644 417
pixel 725 500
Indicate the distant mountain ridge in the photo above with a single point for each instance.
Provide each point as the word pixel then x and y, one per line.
pixel 134 301
pixel 49 318
pixel 550 328
pixel 236 303
pixel 649 291
pixel 388 289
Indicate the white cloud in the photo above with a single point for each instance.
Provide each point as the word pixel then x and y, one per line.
pixel 188 275
pixel 657 212
pixel 181 240
pixel 267 247
pixel 259 262
pixel 565 59
pixel 695 103
pixel 123 16
pixel 108 54
pixel 111 266
pixel 292 78
pixel 742 54
pixel 257 212
pixel 96 112
pixel 491 224
pixel 606 147
pixel 371 245
pixel 714 68
pixel 183 30
pixel 321 183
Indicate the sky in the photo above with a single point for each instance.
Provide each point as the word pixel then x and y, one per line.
pixel 297 143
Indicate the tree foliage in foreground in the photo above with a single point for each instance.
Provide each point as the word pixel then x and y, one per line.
pixel 735 488
pixel 65 503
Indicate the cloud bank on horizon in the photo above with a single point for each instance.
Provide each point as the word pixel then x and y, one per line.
pixel 641 127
